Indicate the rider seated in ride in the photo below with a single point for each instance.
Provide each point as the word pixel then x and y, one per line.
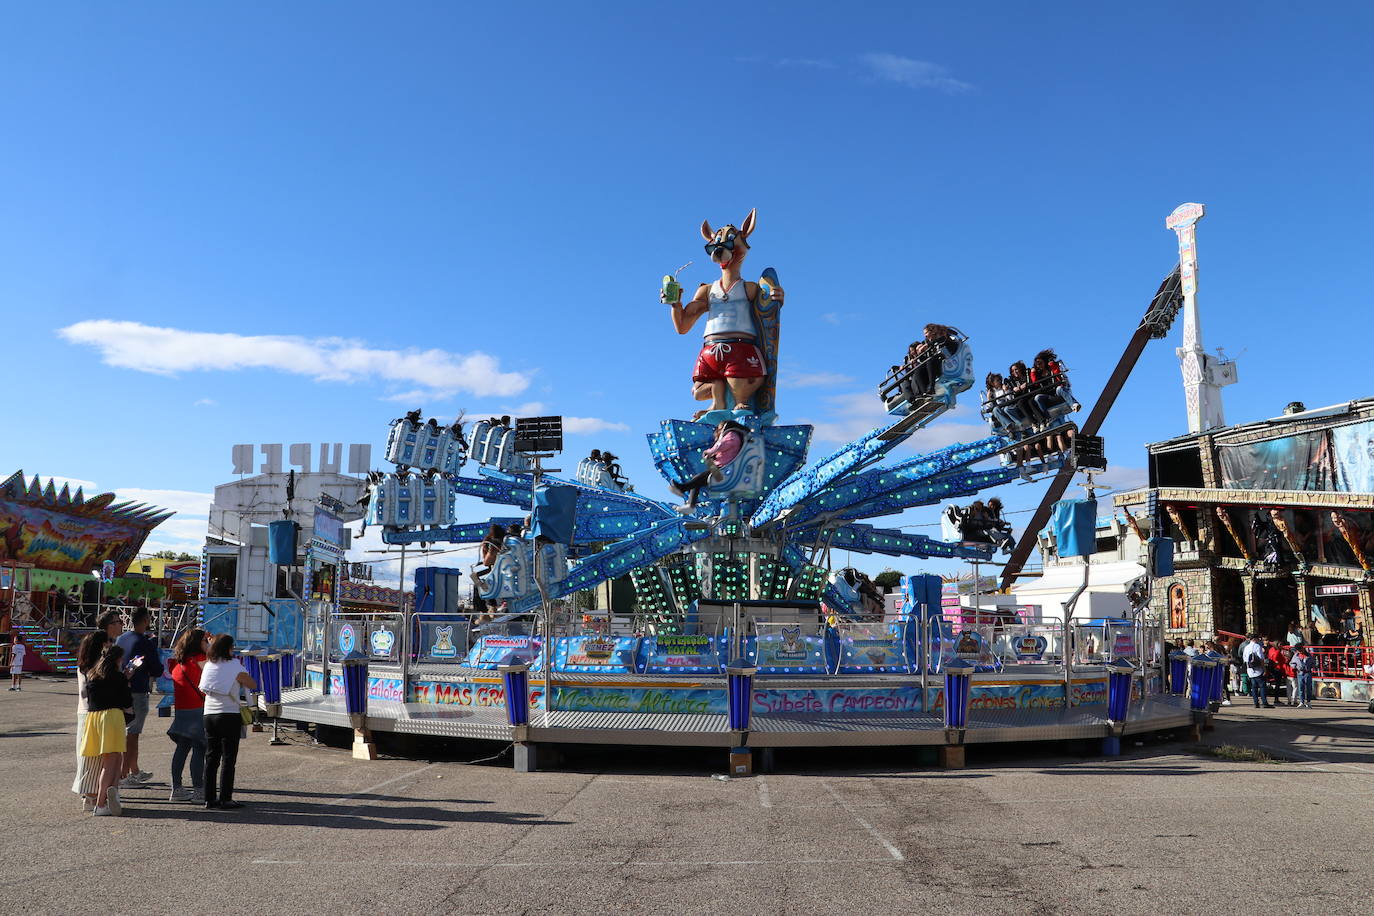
pixel 612 466
pixel 938 344
pixel 998 405
pixel 488 551
pixel 1052 395
pixel 998 527
pixel 726 448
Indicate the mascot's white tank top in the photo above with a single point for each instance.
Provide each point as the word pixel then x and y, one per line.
pixel 730 312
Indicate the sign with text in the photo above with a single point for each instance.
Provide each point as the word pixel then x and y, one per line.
pixel 681 653
pixel 299 454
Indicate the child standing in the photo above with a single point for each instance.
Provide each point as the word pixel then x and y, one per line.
pixel 17 652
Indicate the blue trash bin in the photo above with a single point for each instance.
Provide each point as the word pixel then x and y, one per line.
pixel 741 682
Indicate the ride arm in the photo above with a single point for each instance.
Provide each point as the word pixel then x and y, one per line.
pixel 1156 323
pixel 684 316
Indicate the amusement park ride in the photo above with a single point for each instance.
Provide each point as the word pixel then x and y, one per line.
pixel 738 614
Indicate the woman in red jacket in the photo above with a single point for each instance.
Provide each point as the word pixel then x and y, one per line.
pixel 1280 668
pixel 188 715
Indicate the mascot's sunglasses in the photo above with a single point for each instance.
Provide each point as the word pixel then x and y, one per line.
pixel 728 243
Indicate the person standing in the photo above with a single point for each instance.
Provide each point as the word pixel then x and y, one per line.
pixel 1255 663
pixel 1285 670
pixel 111 623
pixel 188 716
pixel 1302 669
pixel 87 781
pixel 17 652
pixel 1275 668
pixel 107 696
pixel 137 644
pixel 223 680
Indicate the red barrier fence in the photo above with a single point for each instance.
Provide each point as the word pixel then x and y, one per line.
pixel 1343 661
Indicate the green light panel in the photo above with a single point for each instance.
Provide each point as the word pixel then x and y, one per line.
pixel 730 577
pixel 650 594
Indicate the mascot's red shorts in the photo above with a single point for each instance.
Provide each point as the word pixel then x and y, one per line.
pixel 720 359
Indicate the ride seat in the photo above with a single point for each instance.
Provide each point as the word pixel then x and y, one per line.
pixel 401 445
pixel 743 477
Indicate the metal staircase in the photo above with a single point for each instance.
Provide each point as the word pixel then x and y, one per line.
pixel 40 635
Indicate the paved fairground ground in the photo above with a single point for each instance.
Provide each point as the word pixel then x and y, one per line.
pixel 1041 829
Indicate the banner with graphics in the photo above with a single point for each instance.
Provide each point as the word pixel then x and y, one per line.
pixel 52 539
pixel 596 654
pixel 695 701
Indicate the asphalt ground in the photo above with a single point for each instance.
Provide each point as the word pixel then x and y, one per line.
pixel 1044 829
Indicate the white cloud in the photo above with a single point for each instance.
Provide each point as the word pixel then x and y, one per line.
pixel 206 402
pixel 168 351
pixel 912 73
pixel 182 502
pixel 832 318
pixel 1122 478
pixel 814 380
pixel 587 425
pixel 179 534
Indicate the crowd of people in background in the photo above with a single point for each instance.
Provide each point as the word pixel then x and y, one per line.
pixel 1272 672
pixel 115 671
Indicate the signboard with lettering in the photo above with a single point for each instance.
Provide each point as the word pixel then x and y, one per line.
pixel 596 653
pixel 328 527
pixel 683 654
pixel 495 651
pixel 299 454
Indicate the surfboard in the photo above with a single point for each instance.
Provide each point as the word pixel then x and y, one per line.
pixel 768 324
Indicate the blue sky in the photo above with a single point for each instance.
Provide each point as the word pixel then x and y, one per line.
pixel 470 206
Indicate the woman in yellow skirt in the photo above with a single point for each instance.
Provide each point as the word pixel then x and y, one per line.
pixel 107 696
pixel 87 782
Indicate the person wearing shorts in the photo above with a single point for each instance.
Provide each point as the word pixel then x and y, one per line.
pixel 17 652
pixel 143 659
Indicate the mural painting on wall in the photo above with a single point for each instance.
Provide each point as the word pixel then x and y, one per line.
pixel 1178 603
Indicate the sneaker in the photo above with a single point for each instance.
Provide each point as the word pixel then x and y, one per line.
pixel 130 782
pixel 179 794
pixel 198 794
pixel 112 801
pixel 231 805
pixel 87 804
pixel 102 812
pixel 142 775
pixel 1225 702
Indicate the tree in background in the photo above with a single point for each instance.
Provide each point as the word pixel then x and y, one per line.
pixel 888 578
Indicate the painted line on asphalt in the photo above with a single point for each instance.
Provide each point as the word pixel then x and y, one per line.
pixel 381 785
pixel 891 850
pixel 583 863
pixel 764 800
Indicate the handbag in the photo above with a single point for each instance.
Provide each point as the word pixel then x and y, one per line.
pixel 129 715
